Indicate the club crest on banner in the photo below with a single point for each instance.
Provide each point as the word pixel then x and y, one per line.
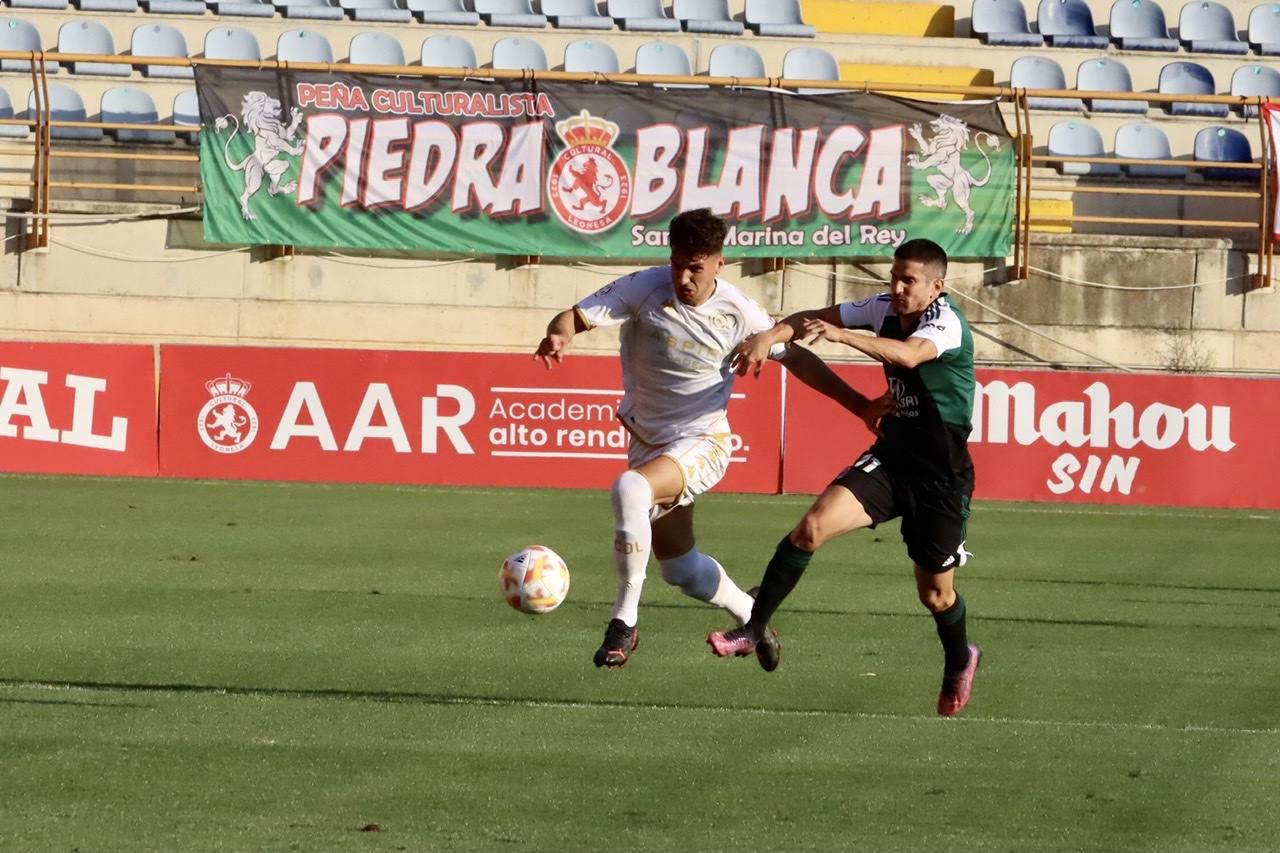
pixel 227 423
pixel 588 185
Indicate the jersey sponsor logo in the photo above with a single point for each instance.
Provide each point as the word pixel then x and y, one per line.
pixel 589 186
pixel 227 423
pixel 908 405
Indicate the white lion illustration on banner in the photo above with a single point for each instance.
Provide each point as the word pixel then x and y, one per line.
pixel 261 116
pixel 942 152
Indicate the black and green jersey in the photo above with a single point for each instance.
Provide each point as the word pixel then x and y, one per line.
pixel 929 432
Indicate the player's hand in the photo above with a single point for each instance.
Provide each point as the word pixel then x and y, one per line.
pixel 820 330
pixel 750 355
pixel 875 409
pixel 552 349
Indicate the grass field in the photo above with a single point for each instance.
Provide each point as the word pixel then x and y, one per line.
pixel 226 666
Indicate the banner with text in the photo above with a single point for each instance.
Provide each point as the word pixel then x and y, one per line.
pixel 1078 437
pixel 570 169
pixel 77 409
pixel 420 417
pixel 1271 114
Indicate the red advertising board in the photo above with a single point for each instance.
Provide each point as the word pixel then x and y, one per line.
pixel 1079 437
pixel 77 408
pixel 419 417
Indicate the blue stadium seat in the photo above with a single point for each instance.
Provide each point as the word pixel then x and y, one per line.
pixel 1253 81
pixel 39 4
pixel 669 60
pixel 90 37
pixel 1068 23
pixel 303 46
pixel 509 13
pixel 449 12
pixel 1003 22
pixel 1079 139
pixel 161 40
pixel 231 43
pixel 173 7
pixel 735 60
pixel 1224 145
pixel 586 56
pixel 1143 141
pixel 642 16
pixel 1208 27
pixel 778 18
pixel 106 5
pixel 375 48
pixel 448 52
pixel 1140 25
pixel 1042 72
pixel 576 14
pixel 19 35
pixel 706 16
pixel 186 109
pixel 65 104
pixel 314 10
pixel 383 11
pixel 1189 78
pixel 516 53
pixel 129 105
pixel 1107 75
pixel 10 131
pixel 810 63
pixel 243 8
pixel 1264 29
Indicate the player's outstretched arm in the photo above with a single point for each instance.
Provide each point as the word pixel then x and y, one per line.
pixel 751 354
pixel 910 353
pixel 819 376
pixel 559 338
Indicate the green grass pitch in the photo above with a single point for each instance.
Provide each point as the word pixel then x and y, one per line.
pixel 228 666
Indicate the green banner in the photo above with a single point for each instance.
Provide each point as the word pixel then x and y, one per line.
pixel 593 170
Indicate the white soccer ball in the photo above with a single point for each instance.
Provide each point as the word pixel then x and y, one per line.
pixel 534 579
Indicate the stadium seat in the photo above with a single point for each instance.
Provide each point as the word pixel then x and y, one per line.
pixel 735 60
pixel 778 18
pixel 173 7
pixel 1003 22
pixel 516 53
pixel 1143 141
pixel 586 56
pixel 448 52
pixel 509 13
pixel 1079 139
pixel 1224 145
pixel 1189 78
pixel 449 12
pixel 90 37
pixel 303 46
pixel 576 14
pixel 231 43
pixel 129 105
pixel 314 10
pixel 1207 27
pixel 810 63
pixel 1042 72
pixel 384 11
pixel 668 60
pixel 161 40
pixel 1264 29
pixel 243 8
pixel 642 16
pixel 39 4
pixel 706 16
pixel 19 35
pixel 375 49
pixel 1140 25
pixel 186 110
pixel 10 131
pixel 1107 75
pixel 106 5
pixel 1254 81
pixel 1068 23
pixel 65 104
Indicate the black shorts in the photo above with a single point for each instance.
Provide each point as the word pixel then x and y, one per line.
pixel 934 511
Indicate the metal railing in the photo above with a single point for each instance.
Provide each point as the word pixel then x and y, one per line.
pixel 1027 188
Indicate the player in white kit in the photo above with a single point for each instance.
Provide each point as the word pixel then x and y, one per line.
pixel 680 326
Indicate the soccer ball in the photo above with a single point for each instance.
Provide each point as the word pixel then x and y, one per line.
pixel 534 579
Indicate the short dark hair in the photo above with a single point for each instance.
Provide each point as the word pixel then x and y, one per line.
pixel 698 232
pixel 925 252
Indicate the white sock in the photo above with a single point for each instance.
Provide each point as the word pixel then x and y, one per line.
pixel 702 577
pixel 632 498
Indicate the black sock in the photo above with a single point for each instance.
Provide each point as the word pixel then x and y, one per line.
pixel 780 577
pixel 951 631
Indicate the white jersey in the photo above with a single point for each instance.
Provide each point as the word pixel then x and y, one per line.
pixel 675 357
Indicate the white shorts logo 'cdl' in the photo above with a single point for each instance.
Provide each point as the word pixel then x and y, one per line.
pixel 227 423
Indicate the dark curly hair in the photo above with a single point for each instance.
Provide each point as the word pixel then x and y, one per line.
pixel 698 232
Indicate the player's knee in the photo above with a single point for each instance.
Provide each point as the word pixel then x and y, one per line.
pixel 936 600
pixel 809 534
pixel 631 493
pixel 693 573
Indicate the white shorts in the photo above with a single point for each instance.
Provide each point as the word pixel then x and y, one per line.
pixel 703 461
